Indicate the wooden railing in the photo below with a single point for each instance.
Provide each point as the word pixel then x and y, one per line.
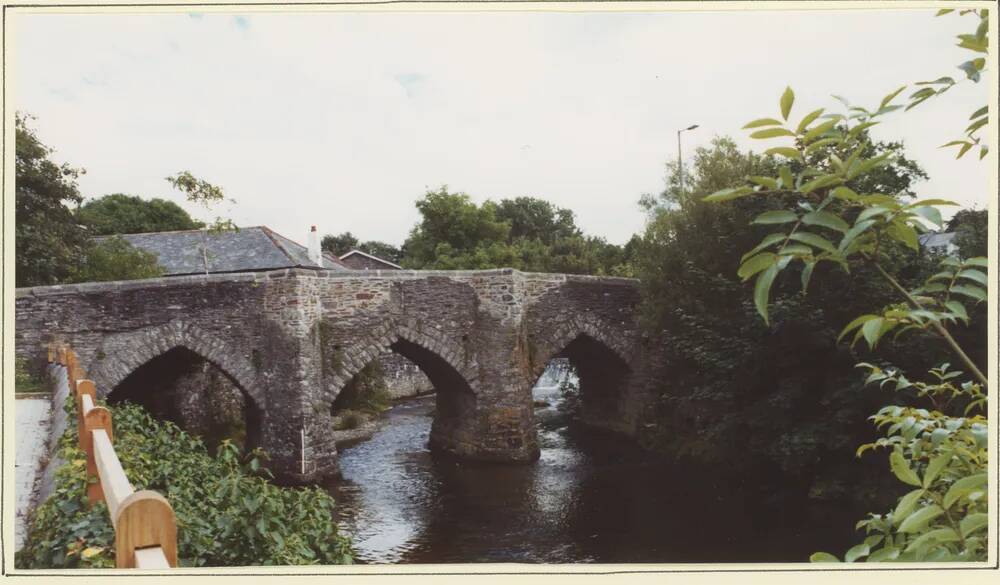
pixel 144 522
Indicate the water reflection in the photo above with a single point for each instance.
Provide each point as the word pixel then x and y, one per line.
pixel 591 497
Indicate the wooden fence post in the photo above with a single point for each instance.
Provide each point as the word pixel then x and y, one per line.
pixel 94 418
pixel 81 389
pixel 145 519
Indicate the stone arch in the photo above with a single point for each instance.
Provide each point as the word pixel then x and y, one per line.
pixel 567 331
pixel 383 337
pixel 124 353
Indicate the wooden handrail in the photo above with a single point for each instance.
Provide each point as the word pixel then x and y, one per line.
pixel 144 521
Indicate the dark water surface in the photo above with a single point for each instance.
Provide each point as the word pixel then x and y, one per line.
pixel 591 497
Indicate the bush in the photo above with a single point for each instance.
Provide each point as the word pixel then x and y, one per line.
pixel 26 381
pixel 228 513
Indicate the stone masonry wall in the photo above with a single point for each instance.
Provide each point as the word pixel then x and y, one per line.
pixel 291 339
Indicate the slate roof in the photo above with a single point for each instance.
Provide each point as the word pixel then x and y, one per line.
pixel 937 240
pixel 370 256
pixel 249 249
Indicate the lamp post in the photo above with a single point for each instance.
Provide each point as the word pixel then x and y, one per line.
pixel 680 163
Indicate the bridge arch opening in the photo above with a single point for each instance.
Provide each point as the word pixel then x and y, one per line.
pixel 183 387
pixel 586 378
pixel 455 400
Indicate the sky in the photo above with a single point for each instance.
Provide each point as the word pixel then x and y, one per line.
pixel 343 119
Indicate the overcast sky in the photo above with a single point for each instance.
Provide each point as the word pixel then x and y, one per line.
pixel 344 119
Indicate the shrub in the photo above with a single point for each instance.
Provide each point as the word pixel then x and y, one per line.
pixel 228 513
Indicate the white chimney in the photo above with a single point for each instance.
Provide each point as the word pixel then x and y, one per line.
pixel 315 254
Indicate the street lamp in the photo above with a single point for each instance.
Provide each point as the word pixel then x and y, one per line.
pixel 680 163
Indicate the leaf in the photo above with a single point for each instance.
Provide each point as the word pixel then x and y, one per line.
pixel 845 193
pixel 978 261
pixel 870 212
pixel 944 11
pixel 963 487
pixel 976 126
pixel 945 534
pixel 787 99
pixel 814 240
pixel 820 144
pixel 934 468
pixel 889 98
pixel 970 523
pixel 969 291
pixel 762 122
pixel 905 234
pixel 91 551
pixel 901 468
pixel 906 505
pixel 787 179
pixel 779 216
pixel 980 112
pixel 822 557
pixel 771 133
pixel 807 271
pixel 975 275
pixel 932 202
pixel 808 119
pixel 768 240
pixel 918 520
pixel 872 331
pixel 855 324
pixel 765 182
pixel 820 182
pixel 762 290
pixel 931 214
pixel 958 309
pixel 728 194
pixel 856 552
pixel 825 219
pixel 785 151
pixel 818 131
pixel 755 265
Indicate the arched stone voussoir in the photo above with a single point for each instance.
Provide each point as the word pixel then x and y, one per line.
pixel 123 353
pixel 363 351
pixel 619 340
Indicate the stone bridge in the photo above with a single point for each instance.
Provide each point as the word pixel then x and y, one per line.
pixel 291 339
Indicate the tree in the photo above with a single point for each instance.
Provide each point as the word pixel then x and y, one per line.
pixel 129 214
pixel 48 241
pixel 382 250
pixel 114 258
pixel 524 233
pixel 340 244
pixel 937 432
pixel 767 403
pixel 204 194
pixel 970 227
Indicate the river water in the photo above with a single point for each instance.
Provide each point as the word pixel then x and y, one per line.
pixel 591 497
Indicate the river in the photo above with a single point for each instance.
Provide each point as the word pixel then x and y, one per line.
pixel 591 497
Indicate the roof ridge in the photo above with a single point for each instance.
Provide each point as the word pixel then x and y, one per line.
pixel 270 236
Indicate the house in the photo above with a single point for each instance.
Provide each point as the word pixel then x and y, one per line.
pixel 247 249
pixel 939 243
pixel 358 260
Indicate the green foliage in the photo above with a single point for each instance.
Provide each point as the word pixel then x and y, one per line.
pixel 205 194
pixel 25 380
pixel 524 233
pixel 48 241
pixel 942 451
pixel 978 43
pixel 128 214
pixel 228 513
pixel 339 244
pixel 365 392
pixel 113 258
pixel 971 232
pixel 346 241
